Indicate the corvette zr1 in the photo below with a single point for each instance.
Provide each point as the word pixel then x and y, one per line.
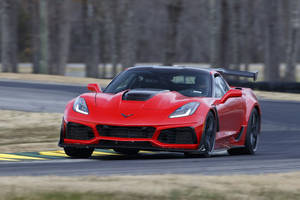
pixel 161 108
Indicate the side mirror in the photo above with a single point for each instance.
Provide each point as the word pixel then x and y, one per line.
pixel 94 87
pixel 229 94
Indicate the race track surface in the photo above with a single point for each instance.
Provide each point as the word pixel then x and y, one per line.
pixel 279 145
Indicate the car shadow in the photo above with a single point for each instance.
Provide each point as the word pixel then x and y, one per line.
pixel 150 156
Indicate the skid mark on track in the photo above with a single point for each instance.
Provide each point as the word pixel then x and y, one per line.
pixel 51 155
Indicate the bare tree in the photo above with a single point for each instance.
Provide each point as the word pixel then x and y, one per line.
pixel 92 32
pixel 43 39
pixel 9 36
pixel 111 8
pixel 247 31
pixel 223 60
pixel 35 34
pixel 272 59
pixel 59 35
pixel 214 30
pixel 235 36
pixel 174 9
pixel 128 39
pixel 222 32
pixel 293 41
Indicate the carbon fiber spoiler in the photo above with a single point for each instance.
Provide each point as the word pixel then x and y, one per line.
pixel 237 73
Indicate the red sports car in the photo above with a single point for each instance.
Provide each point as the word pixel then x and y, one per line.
pixel 157 108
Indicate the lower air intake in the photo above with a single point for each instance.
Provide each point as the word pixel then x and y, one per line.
pixel 184 135
pixel 79 132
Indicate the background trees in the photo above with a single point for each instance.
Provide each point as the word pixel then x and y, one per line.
pixel 9 36
pixel 174 10
pixel 115 34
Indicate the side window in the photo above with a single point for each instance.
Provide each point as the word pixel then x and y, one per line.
pixel 220 87
pixel 224 85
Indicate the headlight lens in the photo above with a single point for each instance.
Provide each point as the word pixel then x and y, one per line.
pixel 185 110
pixel 80 106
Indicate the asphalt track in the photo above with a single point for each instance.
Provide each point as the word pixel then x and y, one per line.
pixel 279 143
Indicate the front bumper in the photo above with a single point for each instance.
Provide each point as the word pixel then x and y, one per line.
pixel 183 137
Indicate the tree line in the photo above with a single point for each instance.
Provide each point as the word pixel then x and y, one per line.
pixel 120 33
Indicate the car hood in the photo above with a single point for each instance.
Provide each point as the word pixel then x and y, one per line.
pixel 140 100
pixel 155 108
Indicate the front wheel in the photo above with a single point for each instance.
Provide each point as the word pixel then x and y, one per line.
pixel 252 136
pixel 74 152
pixel 207 143
pixel 209 137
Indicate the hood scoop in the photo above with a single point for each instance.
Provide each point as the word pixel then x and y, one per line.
pixel 141 94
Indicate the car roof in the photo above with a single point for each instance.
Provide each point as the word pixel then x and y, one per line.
pixel 186 68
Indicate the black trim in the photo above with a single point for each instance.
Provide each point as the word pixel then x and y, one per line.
pixel 62 132
pixel 110 144
pixel 238 137
pixel 217 118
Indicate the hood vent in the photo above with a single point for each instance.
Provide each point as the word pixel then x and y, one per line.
pixel 141 94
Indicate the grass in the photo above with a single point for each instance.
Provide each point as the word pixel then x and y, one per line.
pixel 279 96
pixel 173 187
pixel 27 131
pixel 53 79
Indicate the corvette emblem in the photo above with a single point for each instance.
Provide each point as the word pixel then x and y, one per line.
pixel 126 115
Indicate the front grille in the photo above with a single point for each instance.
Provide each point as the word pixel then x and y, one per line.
pixel 126 131
pixel 184 135
pixel 79 132
pixel 125 144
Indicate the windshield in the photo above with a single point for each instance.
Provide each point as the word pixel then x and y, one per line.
pixel 191 83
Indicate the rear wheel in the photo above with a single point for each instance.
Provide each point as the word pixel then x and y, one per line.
pixel 208 140
pixel 252 136
pixel 127 151
pixel 74 152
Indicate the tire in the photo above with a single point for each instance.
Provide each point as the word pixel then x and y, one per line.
pixel 126 151
pixel 252 136
pixel 207 143
pixel 74 152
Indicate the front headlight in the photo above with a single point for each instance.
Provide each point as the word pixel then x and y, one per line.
pixel 80 106
pixel 185 110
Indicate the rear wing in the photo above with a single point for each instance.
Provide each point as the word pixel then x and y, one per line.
pixel 237 73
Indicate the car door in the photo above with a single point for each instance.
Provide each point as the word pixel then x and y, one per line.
pixel 230 112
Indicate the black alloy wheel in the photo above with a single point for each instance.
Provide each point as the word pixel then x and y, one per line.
pixel 209 137
pixel 252 137
pixel 207 143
